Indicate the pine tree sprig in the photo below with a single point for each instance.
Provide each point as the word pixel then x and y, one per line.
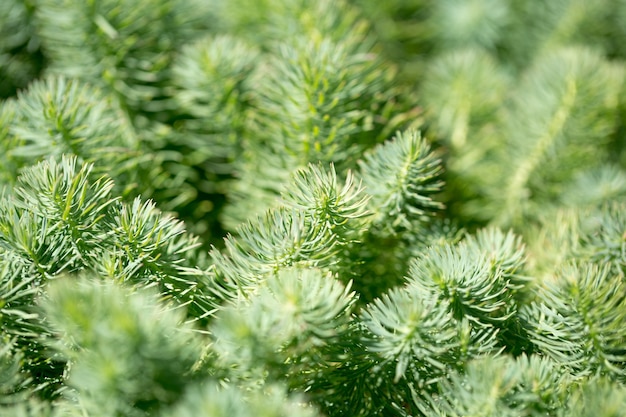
pixel 502 386
pixel 210 399
pixel 596 398
pixel 319 193
pixel 463 90
pixel 324 80
pixel 295 317
pixel 281 238
pixel 53 219
pixel 577 321
pixel 401 176
pixel 128 53
pixel 467 282
pixel 419 335
pixel 57 116
pixel 127 352
pixel 319 217
pixel 212 80
pixel 553 115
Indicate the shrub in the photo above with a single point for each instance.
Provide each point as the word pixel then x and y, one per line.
pixel 294 207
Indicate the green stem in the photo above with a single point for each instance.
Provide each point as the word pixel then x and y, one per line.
pixel 517 190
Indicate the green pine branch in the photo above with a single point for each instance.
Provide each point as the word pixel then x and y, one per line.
pixel 402 175
pixel 562 117
pixel 127 48
pixel 57 116
pixel 502 386
pixel 577 321
pixel 126 353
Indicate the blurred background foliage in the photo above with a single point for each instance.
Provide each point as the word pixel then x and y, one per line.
pixel 219 101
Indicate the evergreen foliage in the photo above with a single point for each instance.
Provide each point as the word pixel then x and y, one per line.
pixel 21 59
pixel 126 47
pixel 59 116
pixel 312 208
pixel 502 386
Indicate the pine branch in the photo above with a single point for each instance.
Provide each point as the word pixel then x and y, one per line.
pixel 54 220
pixel 477 278
pixel 147 247
pixel 281 238
pixel 502 386
pixel 412 332
pixel 324 215
pixel 213 81
pixel 319 194
pixel 416 342
pixel 268 22
pixel 579 321
pixel 313 95
pixel 216 401
pixel 462 91
pixel 562 116
pixel 286 330
pixel 128 354
pixel 596 398
pixel 401 175
pixel 25 259
pixel 59 116
pixel 125 47
pixel 323 80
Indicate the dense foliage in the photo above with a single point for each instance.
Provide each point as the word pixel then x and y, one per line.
pixel 306 208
